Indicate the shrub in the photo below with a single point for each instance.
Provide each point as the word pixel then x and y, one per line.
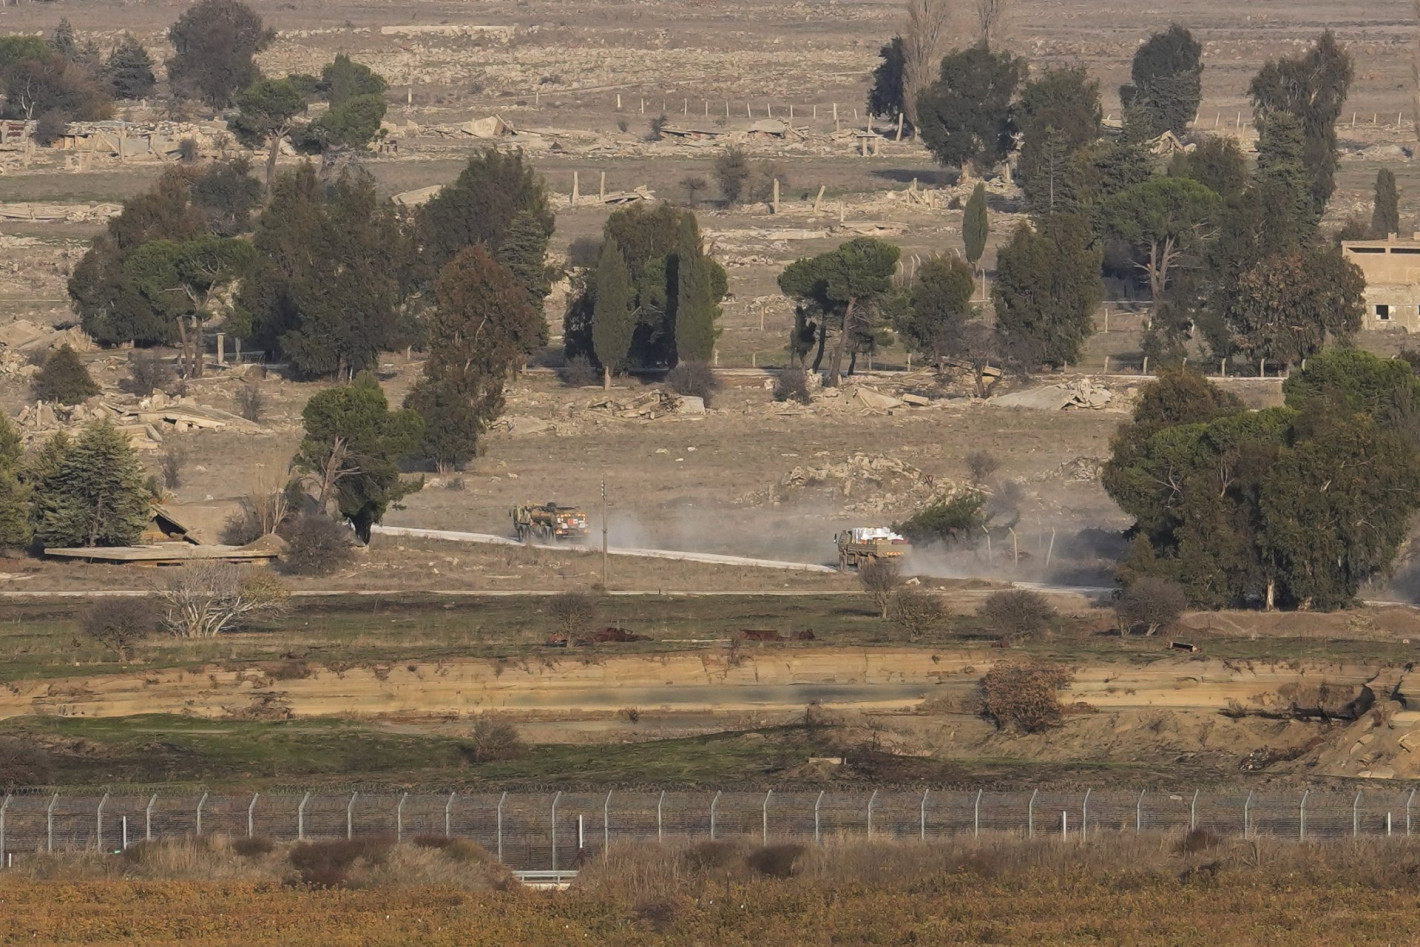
pixel 171 462
pixel 707 856
pixel 572 612
pixel 120 623
pixel 1016 613
pixel 980 465
pixel 493 740
pixel 455 849
pixel 188 150
pixel 656 128
pixel 23 763
pixel 316 545
pixel 328 864
pixel 253 847
pixel 732 172
pixel 792 385
pixel 251 401
pixel 1149 601
pixel 1197 840
pixel 63 378
pixel 775 861
pixel 880 578
pixel 262 511
pixel 693 185
pixel 1023 696
pixel 579 372
pixel 916 612
pixel 147 373
pixel 766 172
pixel 696 379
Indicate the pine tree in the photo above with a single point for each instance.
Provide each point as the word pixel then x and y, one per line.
pixel 16 531
pixel 696 312
pixel 613 321
pixel 524 253
pixel 129 70
pixel 1385 218
pixel 483 328
pixel 96 496
pixel 1046 290
pixel 63 378
pixel 974 230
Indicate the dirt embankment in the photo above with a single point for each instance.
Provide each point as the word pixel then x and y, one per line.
pixel 732 680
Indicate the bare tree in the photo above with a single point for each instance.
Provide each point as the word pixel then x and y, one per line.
pixel 324 481
pixel 204 599
pixel 991 19
pixel 924 43
pixel 880 578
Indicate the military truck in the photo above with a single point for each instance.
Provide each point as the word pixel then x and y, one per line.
pixel 549 521
pixel 865 543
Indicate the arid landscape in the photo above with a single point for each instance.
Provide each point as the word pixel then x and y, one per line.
pixel 722 648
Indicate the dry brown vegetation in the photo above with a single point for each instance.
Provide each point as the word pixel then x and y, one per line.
pixel 1151 889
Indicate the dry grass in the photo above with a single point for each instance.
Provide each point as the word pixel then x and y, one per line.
pixel 1125 889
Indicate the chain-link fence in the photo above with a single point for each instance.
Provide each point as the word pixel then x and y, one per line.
pixel 552 830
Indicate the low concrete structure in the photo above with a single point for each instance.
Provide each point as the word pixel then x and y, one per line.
pixel 1392 270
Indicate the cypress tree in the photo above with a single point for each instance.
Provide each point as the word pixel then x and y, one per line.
pixel 613 321
pixel 1385 219
pixel 695 331
pixel 974 230
pixel 96 496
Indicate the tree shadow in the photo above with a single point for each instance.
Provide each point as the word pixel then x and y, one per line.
pixel 926 177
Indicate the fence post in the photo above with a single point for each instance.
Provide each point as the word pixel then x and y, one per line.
pixel 251 815
pixel 449 817
pixel 1193 812
pixel 3 806
pixel 148 818
pixel 976 817
pixel 200 803
pixel 99 823
pixel 350 816
pixel 817 802
pixel 1085 816
pixel 1356 815
pixel 660 827
pixel 1030 814
pixel 1408 800
pixel 606 823
pixel 924 814
pixel 871 800
pixel 49 825
pixel 713 804
pixel 555 799
pixel 399 819
pixel 764 827
pixel 1139 812
pixel 500 825
pixel 1247 816
pixel 301 818
pixel 1302 817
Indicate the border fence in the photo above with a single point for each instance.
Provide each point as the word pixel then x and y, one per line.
pixel 560 830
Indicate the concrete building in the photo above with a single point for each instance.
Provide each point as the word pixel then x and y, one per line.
pixel 1392 270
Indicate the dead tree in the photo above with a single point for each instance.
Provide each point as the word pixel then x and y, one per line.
pixel 924 43
pixel 991 19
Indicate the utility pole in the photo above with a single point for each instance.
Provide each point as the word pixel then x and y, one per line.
pixel 603 532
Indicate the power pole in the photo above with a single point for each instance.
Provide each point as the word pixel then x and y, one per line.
pixel 604 556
